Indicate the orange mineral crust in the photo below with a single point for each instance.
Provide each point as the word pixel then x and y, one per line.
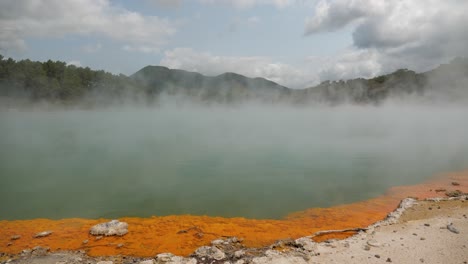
pixel 182 234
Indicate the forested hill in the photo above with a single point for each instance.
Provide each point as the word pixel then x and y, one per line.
pixel 225 88
pixel 54 81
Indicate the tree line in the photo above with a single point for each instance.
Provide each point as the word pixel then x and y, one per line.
pixel 57 81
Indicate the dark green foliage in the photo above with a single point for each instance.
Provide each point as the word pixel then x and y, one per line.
pixel 55 81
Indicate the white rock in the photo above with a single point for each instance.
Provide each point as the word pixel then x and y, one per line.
pixel 239 253
pixel 112 228
pixel 217 242
pixel 105 262
pixel 43 234
pixel 164 257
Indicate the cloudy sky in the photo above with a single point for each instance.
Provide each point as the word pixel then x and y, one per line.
pixel 293 42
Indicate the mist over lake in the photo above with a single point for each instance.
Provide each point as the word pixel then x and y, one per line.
pixel 246 161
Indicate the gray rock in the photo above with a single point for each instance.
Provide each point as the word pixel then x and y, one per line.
pixel 148 261
pixel 15 237
pixel 452 229
pixel 210 252
pixel 112 228
pixel 307 244
pixel 40 251
pixel 26 252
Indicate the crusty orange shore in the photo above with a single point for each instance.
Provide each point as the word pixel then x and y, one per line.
pixel 182 234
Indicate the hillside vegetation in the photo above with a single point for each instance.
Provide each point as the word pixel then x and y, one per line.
pixel 55 81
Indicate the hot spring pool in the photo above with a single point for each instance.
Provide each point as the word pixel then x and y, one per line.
pixel 257 162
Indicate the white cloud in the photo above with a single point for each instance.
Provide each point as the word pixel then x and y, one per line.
pixel 209 64
pixel 56 18
pixel 251 3
pixel 417 34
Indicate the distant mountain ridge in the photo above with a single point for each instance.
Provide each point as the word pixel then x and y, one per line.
pixel 224 88
pixel 54 81
pixel 448 81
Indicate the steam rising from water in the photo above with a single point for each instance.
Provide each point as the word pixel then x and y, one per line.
pixel 252 161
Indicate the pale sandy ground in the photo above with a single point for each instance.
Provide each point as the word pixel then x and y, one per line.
pixel 418 235
pixel 411 240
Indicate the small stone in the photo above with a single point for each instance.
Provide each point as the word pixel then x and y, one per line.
pixel 421 260
pixel 389 260
pixel 427 224
pixel 422 238
pixel 456 193
pixel 414 234
pixel 366 247
pixel 452 229
pixel 199 235
pixel 164 257
pixel 455 184
pixel 120 245
pixel 15 237
pixel 43 234
pixel 210 252
pixel 377 255
pixel 373 243
pixel 105 262
pixel 9 244
pixel 39 251
pixel 239 253
pixel 85 241
pixel 148 261
pixel 98 237
pixel 217 242
pixel 430 208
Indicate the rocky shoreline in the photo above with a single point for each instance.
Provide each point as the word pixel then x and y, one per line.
pixel 445 217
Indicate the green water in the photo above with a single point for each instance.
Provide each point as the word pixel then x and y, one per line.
pixel 261 162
